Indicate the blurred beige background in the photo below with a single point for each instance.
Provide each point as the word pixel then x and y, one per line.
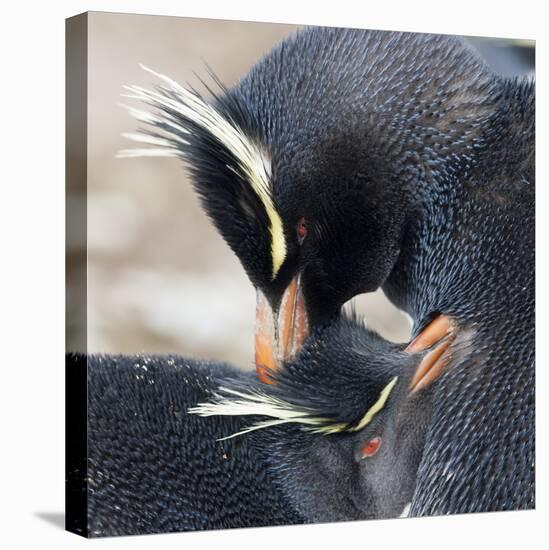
pixel 160 279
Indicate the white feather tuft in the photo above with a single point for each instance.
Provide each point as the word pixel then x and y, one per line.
pixel 257 403
pixel 135 153
pixel 406 512
pixel 252 158
pixel 146 138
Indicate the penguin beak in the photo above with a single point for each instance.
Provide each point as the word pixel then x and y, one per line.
pixel 279 334
pixel 438 333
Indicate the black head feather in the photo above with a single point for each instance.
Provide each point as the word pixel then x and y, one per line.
pixel 359 129
pixel 340 373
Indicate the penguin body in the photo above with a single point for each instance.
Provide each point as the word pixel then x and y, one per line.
pixel 350 160
pixel 470 255
pixel 160 459
pixel 152 468
pixel 460 145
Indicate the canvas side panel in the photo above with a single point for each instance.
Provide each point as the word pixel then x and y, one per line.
pixel 76 89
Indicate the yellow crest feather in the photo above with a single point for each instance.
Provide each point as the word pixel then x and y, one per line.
pixel 257 403
pixel 252 160
pixel 377 406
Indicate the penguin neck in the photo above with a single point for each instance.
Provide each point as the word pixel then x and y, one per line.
pixel 451 240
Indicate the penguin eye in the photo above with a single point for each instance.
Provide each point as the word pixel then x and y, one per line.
pixel 371 447
pixel 301 230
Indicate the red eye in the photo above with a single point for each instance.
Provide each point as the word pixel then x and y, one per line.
pixel 301 230
pixel 371 447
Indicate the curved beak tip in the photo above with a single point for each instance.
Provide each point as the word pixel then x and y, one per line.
pixel 440 333
pixel 279 334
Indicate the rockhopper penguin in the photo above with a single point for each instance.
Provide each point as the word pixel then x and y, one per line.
pixel 348 160
pixel 176 444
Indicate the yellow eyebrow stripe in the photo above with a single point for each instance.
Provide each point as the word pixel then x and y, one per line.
pixel 258 173
pixel 278 241
pixel 376 407
pixel 281 412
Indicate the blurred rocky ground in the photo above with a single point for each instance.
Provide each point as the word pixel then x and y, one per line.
pixel 160 279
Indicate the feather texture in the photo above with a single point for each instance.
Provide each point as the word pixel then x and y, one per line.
pixel 259 403
pixel 179 109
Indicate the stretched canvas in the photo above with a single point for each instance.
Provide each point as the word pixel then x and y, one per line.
pixel 300 274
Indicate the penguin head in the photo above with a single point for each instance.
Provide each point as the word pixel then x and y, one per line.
pixel 307 238
pixel 314 166
pixel 341 429
pixel 362 463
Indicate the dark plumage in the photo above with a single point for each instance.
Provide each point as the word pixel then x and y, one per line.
pixel 340 373
pixel 152 467
pixel 413 166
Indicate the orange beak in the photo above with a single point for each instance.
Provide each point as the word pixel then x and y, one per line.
pixel 440 333
pixel 280 334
